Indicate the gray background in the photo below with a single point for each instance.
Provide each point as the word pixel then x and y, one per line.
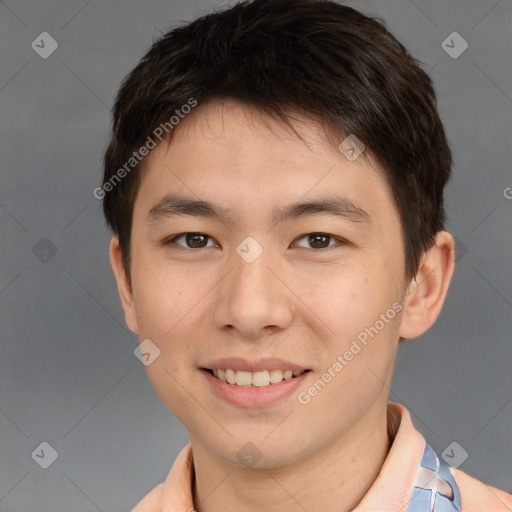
pixel 68 375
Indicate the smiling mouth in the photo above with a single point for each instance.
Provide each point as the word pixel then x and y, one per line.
pixel 253 379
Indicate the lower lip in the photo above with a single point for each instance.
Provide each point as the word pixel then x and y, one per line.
pixel 253 397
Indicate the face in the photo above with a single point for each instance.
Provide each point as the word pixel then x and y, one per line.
pixel 229 272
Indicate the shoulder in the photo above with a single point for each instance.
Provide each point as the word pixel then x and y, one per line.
pixel 175 493
pixel 478 496
pixel 152 501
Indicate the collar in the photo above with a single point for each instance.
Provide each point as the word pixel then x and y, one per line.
pixel 412 478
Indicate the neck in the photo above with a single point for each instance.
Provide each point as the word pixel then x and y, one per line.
pixel 334 479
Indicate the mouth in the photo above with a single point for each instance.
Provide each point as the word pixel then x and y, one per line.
pixel 259 379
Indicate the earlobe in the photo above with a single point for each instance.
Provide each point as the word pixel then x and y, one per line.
pixel 123 284
pixel 427 292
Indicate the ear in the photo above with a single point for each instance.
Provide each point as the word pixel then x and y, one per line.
pixel 123 284
pixel 427 291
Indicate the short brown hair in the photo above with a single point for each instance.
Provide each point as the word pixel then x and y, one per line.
pixel 329 61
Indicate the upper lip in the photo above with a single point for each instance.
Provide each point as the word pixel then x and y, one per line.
pixel 253 365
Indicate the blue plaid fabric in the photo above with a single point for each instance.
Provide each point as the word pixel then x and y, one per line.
pixel 432 490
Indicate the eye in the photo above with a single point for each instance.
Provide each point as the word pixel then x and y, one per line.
pixel 320 240
pixel 192 240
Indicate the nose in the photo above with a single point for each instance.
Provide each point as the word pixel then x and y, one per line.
pixel 252 300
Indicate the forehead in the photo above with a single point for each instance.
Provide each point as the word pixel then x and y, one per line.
pixel 245 161
pixel 229 122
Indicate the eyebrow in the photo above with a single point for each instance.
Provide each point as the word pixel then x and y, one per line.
pixel 175 204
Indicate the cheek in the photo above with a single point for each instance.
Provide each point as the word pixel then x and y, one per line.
pixel 168 306
pixel 163 293
pixel 345 298
pixel 351 302
pixel 168 311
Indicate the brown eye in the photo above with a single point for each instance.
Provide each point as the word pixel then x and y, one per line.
pixel 192 241
pixel 319 241
pixel 196 240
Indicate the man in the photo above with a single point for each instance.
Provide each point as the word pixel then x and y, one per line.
pixel 275 184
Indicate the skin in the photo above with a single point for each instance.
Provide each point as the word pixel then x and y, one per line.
pixel 296 301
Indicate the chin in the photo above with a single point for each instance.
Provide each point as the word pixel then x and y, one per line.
pixel 261 453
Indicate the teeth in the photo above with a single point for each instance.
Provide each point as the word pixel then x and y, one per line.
pixel 230 376
pixel 243 378
pixel 275 376
pixel 254 379
pixel 260 378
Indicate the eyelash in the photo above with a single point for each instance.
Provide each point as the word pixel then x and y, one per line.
pixel 172 240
